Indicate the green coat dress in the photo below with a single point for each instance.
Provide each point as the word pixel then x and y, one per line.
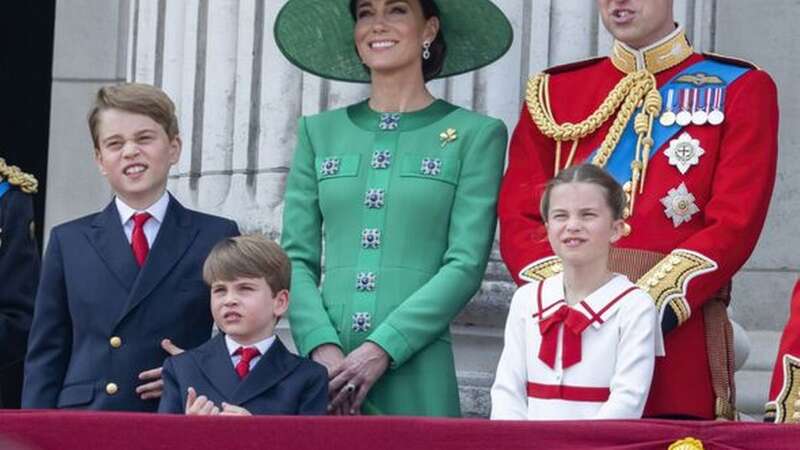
pixel 404 213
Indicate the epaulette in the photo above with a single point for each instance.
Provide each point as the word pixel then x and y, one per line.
pixel 26 182
pixel 731 60
pixel 574 65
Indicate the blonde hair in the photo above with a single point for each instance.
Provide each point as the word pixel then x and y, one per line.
pixel 587 173
pixel 134 98
pixel 249 256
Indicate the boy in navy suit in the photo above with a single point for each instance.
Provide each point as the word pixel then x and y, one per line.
pixel 245 369
pixel 119 286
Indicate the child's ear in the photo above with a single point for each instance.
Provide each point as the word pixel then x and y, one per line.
pixel 98 159
pixel 175 147
pixel 617 229
pixel 281 302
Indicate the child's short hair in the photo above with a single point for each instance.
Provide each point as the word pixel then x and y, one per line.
pixel 135 98
pixel 250 256
pixel 587 173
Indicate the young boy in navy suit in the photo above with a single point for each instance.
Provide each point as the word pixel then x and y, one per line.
pixel 119 286
pixel 245 369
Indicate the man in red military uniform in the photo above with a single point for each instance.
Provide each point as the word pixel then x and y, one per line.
pixel 784 392
pixel 693 140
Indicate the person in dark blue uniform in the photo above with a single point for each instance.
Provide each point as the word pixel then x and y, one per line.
pixel 19 276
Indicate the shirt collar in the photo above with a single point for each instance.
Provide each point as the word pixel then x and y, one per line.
pixel 157 210
pixel 599 306
pixel 657 57
pixel 262 345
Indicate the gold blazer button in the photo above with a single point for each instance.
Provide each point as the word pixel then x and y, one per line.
pixel 115 341
pixel 111 388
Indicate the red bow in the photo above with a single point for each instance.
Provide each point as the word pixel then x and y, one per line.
pixel 574 324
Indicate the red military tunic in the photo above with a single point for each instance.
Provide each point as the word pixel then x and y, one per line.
pixel 785 388
pixel 730 187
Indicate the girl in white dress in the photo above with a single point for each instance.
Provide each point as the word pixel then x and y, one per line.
pixel 582 343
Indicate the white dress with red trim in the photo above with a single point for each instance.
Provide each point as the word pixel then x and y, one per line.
pixel 592 360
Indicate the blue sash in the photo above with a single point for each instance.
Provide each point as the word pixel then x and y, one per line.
pixel 4 187
pixel 619 165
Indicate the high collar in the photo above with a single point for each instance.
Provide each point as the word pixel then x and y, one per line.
pixel 598 307
pixel 368 119
pixel 657 57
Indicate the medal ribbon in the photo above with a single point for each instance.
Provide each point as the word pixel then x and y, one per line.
pixel 619 165
pixel 4 187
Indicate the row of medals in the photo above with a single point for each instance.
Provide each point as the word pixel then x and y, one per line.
pixel 697 106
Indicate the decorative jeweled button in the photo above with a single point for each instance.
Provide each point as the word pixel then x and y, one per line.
pixel 389 121
pixel 381 159
pixel 431 166
pixel 374 198
pixel 371 238
pixel 365 281
pixel 361 322
pixel 329 167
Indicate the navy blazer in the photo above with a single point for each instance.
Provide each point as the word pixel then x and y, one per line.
pixel 19 274
pixel 280 382
pixel 99 319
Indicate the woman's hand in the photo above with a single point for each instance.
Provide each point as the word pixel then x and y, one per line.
pixel 330 356
pixel 358 373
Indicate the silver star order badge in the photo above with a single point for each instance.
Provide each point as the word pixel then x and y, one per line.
pixel 684 152
pixel 679 205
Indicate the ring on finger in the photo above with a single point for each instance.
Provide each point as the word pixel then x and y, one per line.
pixel 349 387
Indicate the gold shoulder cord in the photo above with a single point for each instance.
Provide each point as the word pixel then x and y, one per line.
pixel 636 90
pixel 26 182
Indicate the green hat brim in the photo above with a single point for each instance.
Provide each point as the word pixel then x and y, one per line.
pixel 317 37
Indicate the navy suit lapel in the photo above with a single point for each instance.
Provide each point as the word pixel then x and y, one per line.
pixel 108 239
pixel 175 235
pixel 269 370
pixel 215 364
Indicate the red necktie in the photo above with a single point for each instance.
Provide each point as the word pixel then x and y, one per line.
pixel 243 366
pixel 574 324
pixel 138 239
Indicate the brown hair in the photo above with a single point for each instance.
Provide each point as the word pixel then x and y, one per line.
pixel 134 98
pixel 587 173
pixel 250 256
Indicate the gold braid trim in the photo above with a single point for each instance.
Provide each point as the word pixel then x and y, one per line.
pixel 637 89
pixel 25 181
pixel 785 406
pixel 667 282
pixel 541 269
pixel 625 97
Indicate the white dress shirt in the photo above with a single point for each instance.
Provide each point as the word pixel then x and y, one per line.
pixel 618 350
pixel 262 346
pixel 157 212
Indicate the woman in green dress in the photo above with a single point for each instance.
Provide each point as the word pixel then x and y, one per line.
pixel 399 190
